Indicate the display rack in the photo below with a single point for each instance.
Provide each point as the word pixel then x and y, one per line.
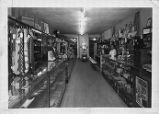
pixel 129 77
pixel 33 76
pixel 130 73
pixel 25 68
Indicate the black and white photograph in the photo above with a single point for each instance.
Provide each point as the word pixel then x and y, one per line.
pixel 80 57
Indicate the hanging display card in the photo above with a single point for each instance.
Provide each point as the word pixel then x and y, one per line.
pixel 141 92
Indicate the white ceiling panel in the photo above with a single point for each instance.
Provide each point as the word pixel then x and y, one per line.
pixel 67 19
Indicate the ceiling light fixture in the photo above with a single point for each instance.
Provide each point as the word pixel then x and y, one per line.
pixel 94 39
pixel 82 21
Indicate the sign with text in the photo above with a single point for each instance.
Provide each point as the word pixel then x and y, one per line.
pixel 141 92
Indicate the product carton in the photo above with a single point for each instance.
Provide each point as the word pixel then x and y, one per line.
pixel 28 20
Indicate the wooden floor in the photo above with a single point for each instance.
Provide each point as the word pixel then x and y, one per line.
pixel 87 88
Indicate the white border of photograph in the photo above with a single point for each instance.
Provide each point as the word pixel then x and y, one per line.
pixel 4 4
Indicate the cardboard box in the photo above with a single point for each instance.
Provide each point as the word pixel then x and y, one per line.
pixel 37 26
pixel 28 20
pixel 45 27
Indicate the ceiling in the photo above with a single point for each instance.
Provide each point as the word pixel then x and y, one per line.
pixel 67 20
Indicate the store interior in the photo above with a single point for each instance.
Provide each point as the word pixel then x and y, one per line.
pixel 79 57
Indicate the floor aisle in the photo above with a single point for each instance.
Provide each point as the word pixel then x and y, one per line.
pixel 87 88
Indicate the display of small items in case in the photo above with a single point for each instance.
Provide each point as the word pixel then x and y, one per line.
pixel 147 39
pixel 147 34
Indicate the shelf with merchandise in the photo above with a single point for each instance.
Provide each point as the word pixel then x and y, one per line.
pixel 132 71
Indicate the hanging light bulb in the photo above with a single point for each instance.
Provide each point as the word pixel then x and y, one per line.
pixel 94 39
pixel 82 24
pixel 82 21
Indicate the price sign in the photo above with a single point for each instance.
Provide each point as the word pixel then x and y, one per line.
pixel 141 92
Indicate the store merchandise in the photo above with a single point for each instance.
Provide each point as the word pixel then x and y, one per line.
pixel 16 51
pixel 26 50
pixel 133 59
pixel 15 87
pixel 32 59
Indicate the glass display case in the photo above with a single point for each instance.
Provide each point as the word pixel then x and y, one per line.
pixel 122 79
pixel 36 73
pixel 130 73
